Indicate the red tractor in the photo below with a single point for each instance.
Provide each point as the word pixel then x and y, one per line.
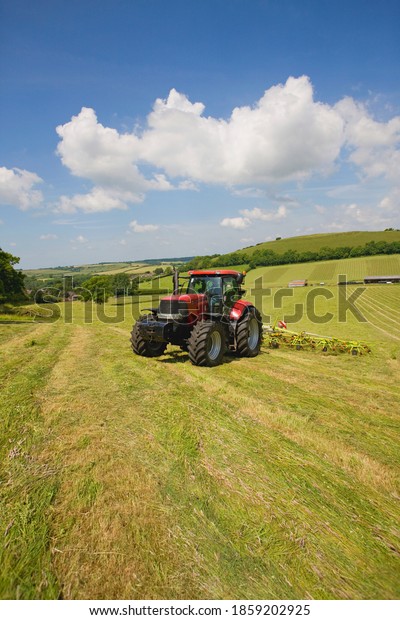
pixel 205 316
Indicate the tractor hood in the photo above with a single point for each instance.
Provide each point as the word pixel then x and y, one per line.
pixel 181 306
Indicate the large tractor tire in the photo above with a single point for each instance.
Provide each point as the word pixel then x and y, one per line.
pixel 249 334
pixel 146 348
pixel 207 344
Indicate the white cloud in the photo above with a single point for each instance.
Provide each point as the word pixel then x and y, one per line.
pixel 369 217
pixel 142 228
pixel 287 135
pixel 320 209
pixel 98 153
pixel 80 239
pixel 249 192
pixel 391 202
pixel 266 216
pixel 108 159
pixel 236 222
pixel 187 185
pixel 16 188
pixel 285 199
pixel 48 237
pixel 97 201
pixel 374 145
pixel 250 215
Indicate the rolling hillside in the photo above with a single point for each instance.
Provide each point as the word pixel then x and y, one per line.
pixel 327 272
pixel 313 243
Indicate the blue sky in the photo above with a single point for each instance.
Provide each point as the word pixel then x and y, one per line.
pixel 154 128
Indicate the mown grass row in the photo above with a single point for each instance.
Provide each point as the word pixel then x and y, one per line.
pixel 28 486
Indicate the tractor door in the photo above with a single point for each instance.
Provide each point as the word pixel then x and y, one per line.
pixel 214 294
pixel 230 292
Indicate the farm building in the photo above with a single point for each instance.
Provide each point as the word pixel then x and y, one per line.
pixel 296 283
pixel 381 279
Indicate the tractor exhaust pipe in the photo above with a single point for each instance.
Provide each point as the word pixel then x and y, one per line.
pixel 175 281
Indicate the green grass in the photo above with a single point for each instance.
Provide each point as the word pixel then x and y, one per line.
pixel 163 282
pixel 134 478
pixel 14 318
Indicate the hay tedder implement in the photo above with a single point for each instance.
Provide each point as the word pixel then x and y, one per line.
pixel 278 335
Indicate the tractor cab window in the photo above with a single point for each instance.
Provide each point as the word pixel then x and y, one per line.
pixel 207 285
pixel 230 290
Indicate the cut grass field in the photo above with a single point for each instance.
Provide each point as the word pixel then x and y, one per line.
pixel 327 272
pixel 267 478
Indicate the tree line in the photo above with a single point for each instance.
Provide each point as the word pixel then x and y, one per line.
pixel 11 280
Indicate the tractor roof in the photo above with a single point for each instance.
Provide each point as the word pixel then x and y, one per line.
pixel 213 272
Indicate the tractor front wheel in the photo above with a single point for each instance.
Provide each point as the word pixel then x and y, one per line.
pixel 249 334
pixel 207 344
pixel 146 348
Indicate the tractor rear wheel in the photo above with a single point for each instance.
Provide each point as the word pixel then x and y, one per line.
pixel 249 334
pixel 146 348
pixel 207 344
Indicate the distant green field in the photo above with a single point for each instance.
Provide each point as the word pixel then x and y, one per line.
pixel 130 270
pixel 97 269
pixel 326 271
pixel 314 243
pixel 164 282
pixel 89 269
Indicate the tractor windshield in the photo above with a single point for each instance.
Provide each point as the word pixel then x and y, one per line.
pixel 209 285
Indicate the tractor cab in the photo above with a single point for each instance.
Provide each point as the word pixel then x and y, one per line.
pixel 221 288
